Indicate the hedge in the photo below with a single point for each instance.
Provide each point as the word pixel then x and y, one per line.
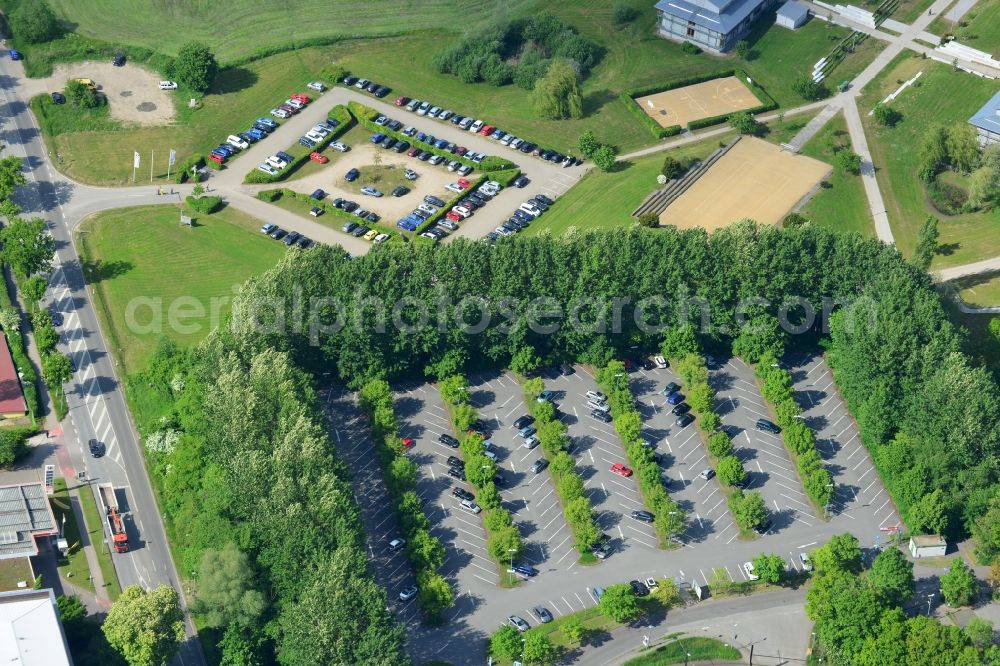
pixel 204 204
pixel 501 533
pixel 552 439
pixel 628 423
pixel 654 127
pixel 367 115
pixel 400 479
pixel 505 176
pixel 345 121
pixel 799 439
pixel 21 362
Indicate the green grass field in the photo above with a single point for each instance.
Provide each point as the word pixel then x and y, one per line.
pixel 144 253
pixel 944 96
pixel 606 200
pixel 14 571
pixel 979 28
pixel 979 291
pixel 74 568
pixel 906 12
pixel 841 204
pixel 680 650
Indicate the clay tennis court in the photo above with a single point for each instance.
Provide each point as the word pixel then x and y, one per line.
pixel 755 179
pixel 701 100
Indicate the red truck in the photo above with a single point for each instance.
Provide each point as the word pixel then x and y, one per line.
pixel 109 502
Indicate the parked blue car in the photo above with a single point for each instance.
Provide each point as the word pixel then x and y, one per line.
pixel 14 55
pixel 675 398
pixel 420 136
pixel 440 143
pixel 377 138
pixel 266 122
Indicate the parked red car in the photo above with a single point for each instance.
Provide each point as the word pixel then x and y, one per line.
pixel 487 130
pixel 464 183
pixel 408 443
pixel 217 158
pixel 302 98
pixel 413 152
pixel 317 157
pixel 401 100
pixel 621 470
pixel 453 216
pixel 461 150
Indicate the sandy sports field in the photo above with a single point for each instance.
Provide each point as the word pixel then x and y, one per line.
pixel 755 180
pixel 701 100
pixel 133 91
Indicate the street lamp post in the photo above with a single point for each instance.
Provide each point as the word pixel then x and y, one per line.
pixel 512 551
pixel 930 598
pixel 828 500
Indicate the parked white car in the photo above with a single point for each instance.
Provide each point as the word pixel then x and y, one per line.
pixel 168 85
pixel 268 169
pixel 291 101
pixel 280 113
pixel 381 238
pixel 748 570
pixel 239 142
pixel 529 209
pixel 340 147
pixel 276 162
pixel 316 85
pixel 454 187
pixel 476 126
pixel 314 136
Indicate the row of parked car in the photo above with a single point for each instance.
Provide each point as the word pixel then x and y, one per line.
pixel 273 165
pixel 522 217
pixel 424 155
pixel 476 126
pixel 461 210
pixel 260 128
pixel 289 238
pixel 372 87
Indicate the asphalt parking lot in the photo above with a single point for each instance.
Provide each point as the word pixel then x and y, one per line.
pixel 422 417
pixel 859 487
pixel 350 434
pixel 530 497
pixel 765 458
pixel 682 456
pixel 598 448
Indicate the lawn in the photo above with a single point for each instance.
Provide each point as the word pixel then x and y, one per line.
pixel 942 96
pixel 680 650
pixel 142 258
pixel 979 28
pixel 74 568
pixel 606 200
pixel 841 203
pixel 906 12
pixel 979 291
pixel 95 529
pixel 238 29
pixel 14 571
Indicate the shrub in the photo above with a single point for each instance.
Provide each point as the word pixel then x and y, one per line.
pixel 622 13
pixel 34 22
pixel 671 168
pixel 604 158
pixel 885 115
pixel 13 445
pixel 690 48
pixel 807 89
pixel 719 445
pixel 849 162
pixel 649 219
pixel 204 204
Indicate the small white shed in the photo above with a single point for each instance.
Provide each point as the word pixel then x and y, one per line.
pixel 928 545
pixel 792 15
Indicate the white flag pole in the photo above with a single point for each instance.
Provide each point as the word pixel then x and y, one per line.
pixel 151 167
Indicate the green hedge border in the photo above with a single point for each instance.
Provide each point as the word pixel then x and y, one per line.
pixel 345 120
pixel 767 102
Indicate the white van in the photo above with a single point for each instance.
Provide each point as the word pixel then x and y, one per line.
pixel 236 141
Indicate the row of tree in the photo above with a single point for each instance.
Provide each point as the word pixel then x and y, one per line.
pixel 424 550
pixel 859 618
pixel 553 439
pixel 670 519
pixel 258 505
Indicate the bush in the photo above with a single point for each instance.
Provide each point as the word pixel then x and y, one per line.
pixel 671 168
pixel 649 219
pixel 14 445
pixel 204 204
pixel 622 13
pixel 34 22
pixel 849 162
pixel 885 115
pixel 604 158
pixel 690 48
pixel 807 89
pixel 185 167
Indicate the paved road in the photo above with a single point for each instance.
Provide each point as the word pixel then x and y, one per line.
pixel 97 405
pixel 960 9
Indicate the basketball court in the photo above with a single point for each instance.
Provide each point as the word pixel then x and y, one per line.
pixel 754 179
pixel 701 100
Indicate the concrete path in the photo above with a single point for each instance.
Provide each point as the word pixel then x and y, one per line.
pixel 815 125
pixel 960 9
pixel 975 268
pixel 875 202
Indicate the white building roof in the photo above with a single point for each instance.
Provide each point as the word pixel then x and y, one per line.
pixel 30 632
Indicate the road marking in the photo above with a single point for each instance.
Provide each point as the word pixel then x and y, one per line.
pixel 806 545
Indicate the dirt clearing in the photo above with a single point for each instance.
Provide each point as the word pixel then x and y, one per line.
pixel 755 179
pixel 702 100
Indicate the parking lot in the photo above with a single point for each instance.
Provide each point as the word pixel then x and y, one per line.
pixel 598 448
pixel 422 417
pixel 859 488
pixel 530 497
pixel 765 458
pixel 350 434
pixel 682 457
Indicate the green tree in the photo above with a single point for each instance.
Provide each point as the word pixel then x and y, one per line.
pixel 425 550
pixel 730 471
pixel 557 94
pixel 34 22
pixel 927 243
pixel 11 177
pixel 488 496
pixel 806 88
pixel 454 389
pixel 146 628
pixel 885 115
pixel 742 49
pixel 241 646
pixel 573 629
pixel 959 586
pixel 70 608
pixel 226 590
pixel 604 158
pixel 770 568
pixel 845 611
pixel 622 13
pixel 841 553
pixel 649 220
pixel 505 643
pixel 27 246
pixel 744 123
pixel 748 509
pixel 933 152
pixel 963 147
pixel 588 143
pixel 619 603
pixel 986 527
pixel 538 649
pixel 195 67
pixel 892 576
pixel 679 341
pixel 929 515
pixel 848 162
pixel 719 445
pixel 525 361
pixel 33 289
pixel 760 335
pixel 980 632
pixel 671 168
pixel 57 368
pixel 463 416
pixel 434 593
